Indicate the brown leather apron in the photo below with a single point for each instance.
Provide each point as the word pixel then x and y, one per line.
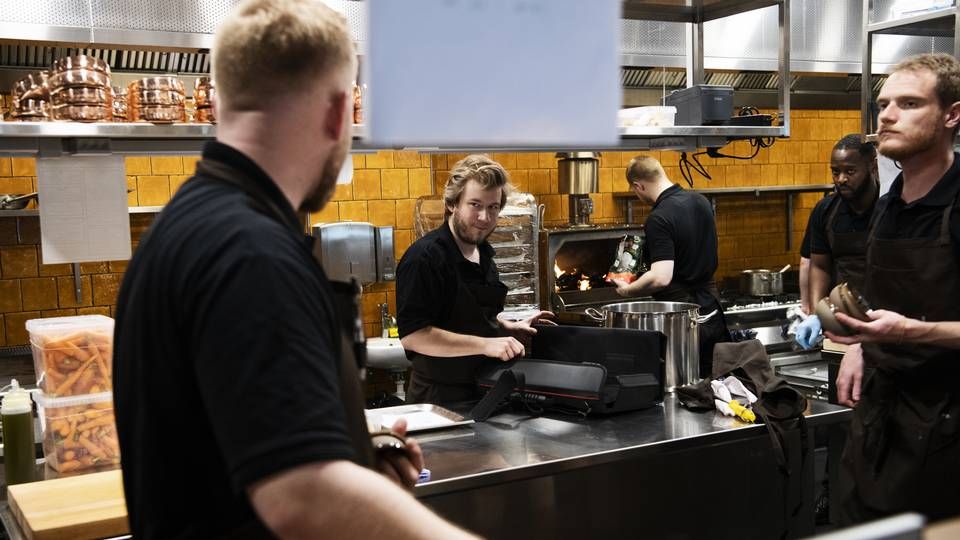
pixel 903 451
pixel 442 380
pixel 351 349
pixel 711 332
pixel 848 251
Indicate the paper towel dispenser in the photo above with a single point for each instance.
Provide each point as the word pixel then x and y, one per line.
pixel 355 249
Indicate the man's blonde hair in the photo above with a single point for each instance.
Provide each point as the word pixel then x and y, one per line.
pixel 644 169
pixel 945 67
pixel 266 49
pixel 487 172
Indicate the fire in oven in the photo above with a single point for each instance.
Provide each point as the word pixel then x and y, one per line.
pixel 574 266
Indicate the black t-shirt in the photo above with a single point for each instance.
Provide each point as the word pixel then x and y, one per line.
pixel 225 359
pixel 922 218
pixel 847 221
pixel 681 228
pixel 428 276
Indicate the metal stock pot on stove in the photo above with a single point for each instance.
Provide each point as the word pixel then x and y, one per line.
pixel 679 321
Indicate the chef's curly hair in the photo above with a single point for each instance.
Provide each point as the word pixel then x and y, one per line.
pixel 855 142
pixel 265 49
pixel 487 172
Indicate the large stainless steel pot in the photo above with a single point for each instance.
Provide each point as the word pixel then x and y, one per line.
pixel 679 321
pixel 761 282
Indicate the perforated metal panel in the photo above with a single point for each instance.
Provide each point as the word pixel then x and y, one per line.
pixel 49 12
pixel 652 37
pixel 165 15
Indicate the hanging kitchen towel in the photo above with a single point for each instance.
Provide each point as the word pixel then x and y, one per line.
pixel 779 406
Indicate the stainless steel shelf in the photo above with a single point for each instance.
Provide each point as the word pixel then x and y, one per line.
pixel 805 188
pixel 34 212
pixel 660 10
pixel 56 138
pixel 938 23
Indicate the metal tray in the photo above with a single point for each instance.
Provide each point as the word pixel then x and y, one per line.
pixel 419 417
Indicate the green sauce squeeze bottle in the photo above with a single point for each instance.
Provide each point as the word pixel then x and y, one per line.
pixel 18 453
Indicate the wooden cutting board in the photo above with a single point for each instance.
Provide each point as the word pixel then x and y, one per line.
pixel 85 506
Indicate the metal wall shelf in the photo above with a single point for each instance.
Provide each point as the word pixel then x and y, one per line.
pixel 34 212
pixel 697 11
pixel 57 138
pixel 628 197
pixel 937 23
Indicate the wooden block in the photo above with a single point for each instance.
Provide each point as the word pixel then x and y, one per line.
pixel 85 506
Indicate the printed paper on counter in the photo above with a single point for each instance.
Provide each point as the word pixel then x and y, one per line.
pixel 83 209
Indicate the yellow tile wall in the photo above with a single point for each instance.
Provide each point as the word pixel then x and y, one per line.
pixel 386 186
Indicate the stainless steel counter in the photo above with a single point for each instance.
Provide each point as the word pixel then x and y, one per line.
pixel 560 476
pixel 515 446
pixel 555 476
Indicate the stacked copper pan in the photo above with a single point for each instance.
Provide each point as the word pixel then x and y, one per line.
pixel 80 89
pixel 203 94
pixel 156 99
pixel 119 104
pixel 31 98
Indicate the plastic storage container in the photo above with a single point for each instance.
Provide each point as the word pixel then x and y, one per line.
pixel 653 116
pixel 79 432
pixel 72 355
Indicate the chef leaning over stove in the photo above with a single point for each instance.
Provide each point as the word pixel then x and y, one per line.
pixel 449 291
pixel 681 240
pixel 903 451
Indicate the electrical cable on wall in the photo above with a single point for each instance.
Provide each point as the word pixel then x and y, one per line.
pixel 688 167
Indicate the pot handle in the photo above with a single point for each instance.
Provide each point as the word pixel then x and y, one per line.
pixel 704 318
pixel 595 314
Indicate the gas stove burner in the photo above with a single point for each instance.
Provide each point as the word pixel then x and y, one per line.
pixel 736 302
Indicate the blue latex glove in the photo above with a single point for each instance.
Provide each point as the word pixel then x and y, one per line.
pixel 807 332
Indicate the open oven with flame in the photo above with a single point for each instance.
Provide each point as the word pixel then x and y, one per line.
pixel 574 262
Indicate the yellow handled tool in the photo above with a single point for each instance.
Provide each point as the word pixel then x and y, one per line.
pixel 742 412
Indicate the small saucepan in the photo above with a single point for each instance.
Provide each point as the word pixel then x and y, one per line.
pixel 762 282
pixel 16 202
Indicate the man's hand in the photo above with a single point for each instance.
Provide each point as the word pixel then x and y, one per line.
pixel 884 326
pixel 503 348
pixel 524 328
pixel 623 288
pixel 401 467
pixel 850 376
pixel 807 332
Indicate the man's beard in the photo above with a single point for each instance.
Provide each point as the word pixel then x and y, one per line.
pixel 467 234
pixel 852 195
pixel 326 184
pixel 925 139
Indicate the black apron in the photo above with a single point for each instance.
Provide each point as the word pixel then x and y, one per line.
pixel 452 379
pixel 903 451
pixel 848 251
pixel 351 350
pixel 711 332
